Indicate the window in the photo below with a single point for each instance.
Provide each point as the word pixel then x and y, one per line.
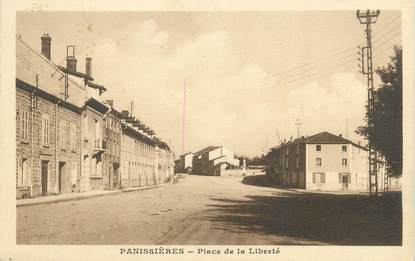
pixel 62 133
pixel 319 178
pixel 72 136
pixel 286 163
pixel 23 174
pixel 318 147
pixel 298 148
pixel 344 162
pixel 318 162
pixel 286 151
pixel 297 163
pixel 45 129
pixel 25 124
pixel 344 148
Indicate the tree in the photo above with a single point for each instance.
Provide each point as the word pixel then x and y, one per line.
pixel 387 114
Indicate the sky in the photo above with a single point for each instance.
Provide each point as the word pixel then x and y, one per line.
pixel 247 75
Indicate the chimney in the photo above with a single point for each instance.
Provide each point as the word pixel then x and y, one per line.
pixel 110 102
pixel 70 58
pixel 71 63
pixel 126 113
pixel 340 135
pixel 88 68
pixel 46 40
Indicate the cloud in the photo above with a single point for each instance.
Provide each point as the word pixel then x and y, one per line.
pixel 148 35
pixel 228 102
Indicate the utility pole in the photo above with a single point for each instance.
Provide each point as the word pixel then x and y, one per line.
pixel 368 18
pixel 277 132
pixel 131 108
pixel 298 123
pixel 184 116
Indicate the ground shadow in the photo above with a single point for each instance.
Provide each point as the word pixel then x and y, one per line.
pixel 325 218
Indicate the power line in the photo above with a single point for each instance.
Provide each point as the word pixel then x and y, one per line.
pixel 318 73
pixel 387 33
pixel 330 57
pixel 322 66
pixel 387 40
pixel 387 25
pixel 50 63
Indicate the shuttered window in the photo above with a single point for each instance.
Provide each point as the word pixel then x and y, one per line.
pixel 45 129
pixel 25 124
pixel 319 176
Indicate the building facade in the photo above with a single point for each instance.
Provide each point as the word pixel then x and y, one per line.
pixel 112 156
pixel 47 143
pixel 320 162
pixel 137 158
pixel 93 145
pixel 68 141
pixel 211 160
pixel 185 163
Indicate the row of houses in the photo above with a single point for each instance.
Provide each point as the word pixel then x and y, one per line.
pixel 323 161
pixel 68 140
pixel 210 161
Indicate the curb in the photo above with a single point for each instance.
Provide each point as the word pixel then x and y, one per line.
pixel 81 197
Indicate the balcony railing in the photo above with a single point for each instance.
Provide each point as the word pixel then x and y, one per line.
pixel 99 144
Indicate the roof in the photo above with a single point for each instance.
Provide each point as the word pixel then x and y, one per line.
pixel 320 138
pixel 328 138
pixel 207 149
pixel 97 105
pixel 46 95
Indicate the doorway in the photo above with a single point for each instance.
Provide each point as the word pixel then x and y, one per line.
pixel 44 177
pixel 345 182
pixel 62 178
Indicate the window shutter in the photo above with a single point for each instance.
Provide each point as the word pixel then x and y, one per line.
pixel 22 125
pixel 349 178
pixel 314 178
pixel 323 177
pixel 340 178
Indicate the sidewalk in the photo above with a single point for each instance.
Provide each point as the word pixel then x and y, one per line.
pixel 78 196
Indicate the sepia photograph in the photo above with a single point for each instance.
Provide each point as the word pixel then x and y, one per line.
pixel 245 128
pixel 211 132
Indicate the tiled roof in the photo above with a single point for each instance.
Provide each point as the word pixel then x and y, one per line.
pixel 207 149
pixel 328 138
pixel 321 138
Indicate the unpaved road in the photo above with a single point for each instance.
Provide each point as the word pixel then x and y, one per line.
pixel 213 210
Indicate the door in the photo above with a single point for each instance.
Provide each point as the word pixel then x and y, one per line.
pixel 63 179
pixel 109 186
pixel 115 176
pixel 44 178
pixel 345 182
pixel 318 180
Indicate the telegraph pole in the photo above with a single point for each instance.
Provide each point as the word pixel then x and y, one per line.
pixel 298 123
pixel 367 18
pixel 184 116
pixel 131 108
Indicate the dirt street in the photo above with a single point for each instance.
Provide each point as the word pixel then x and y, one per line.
pixel 214 210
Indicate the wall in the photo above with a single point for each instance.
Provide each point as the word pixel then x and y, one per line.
pixel 138 166
pixel 112 137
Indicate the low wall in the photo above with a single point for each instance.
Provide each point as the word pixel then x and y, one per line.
pixel 240 172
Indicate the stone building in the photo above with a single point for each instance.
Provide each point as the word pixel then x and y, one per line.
pixel 137 157
pixel 212 159
pixel 67 140
pixel 93 145
pixel 112 156
pixel 185 163
pixel 47 143
pixel 322 161
pixel 47 125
